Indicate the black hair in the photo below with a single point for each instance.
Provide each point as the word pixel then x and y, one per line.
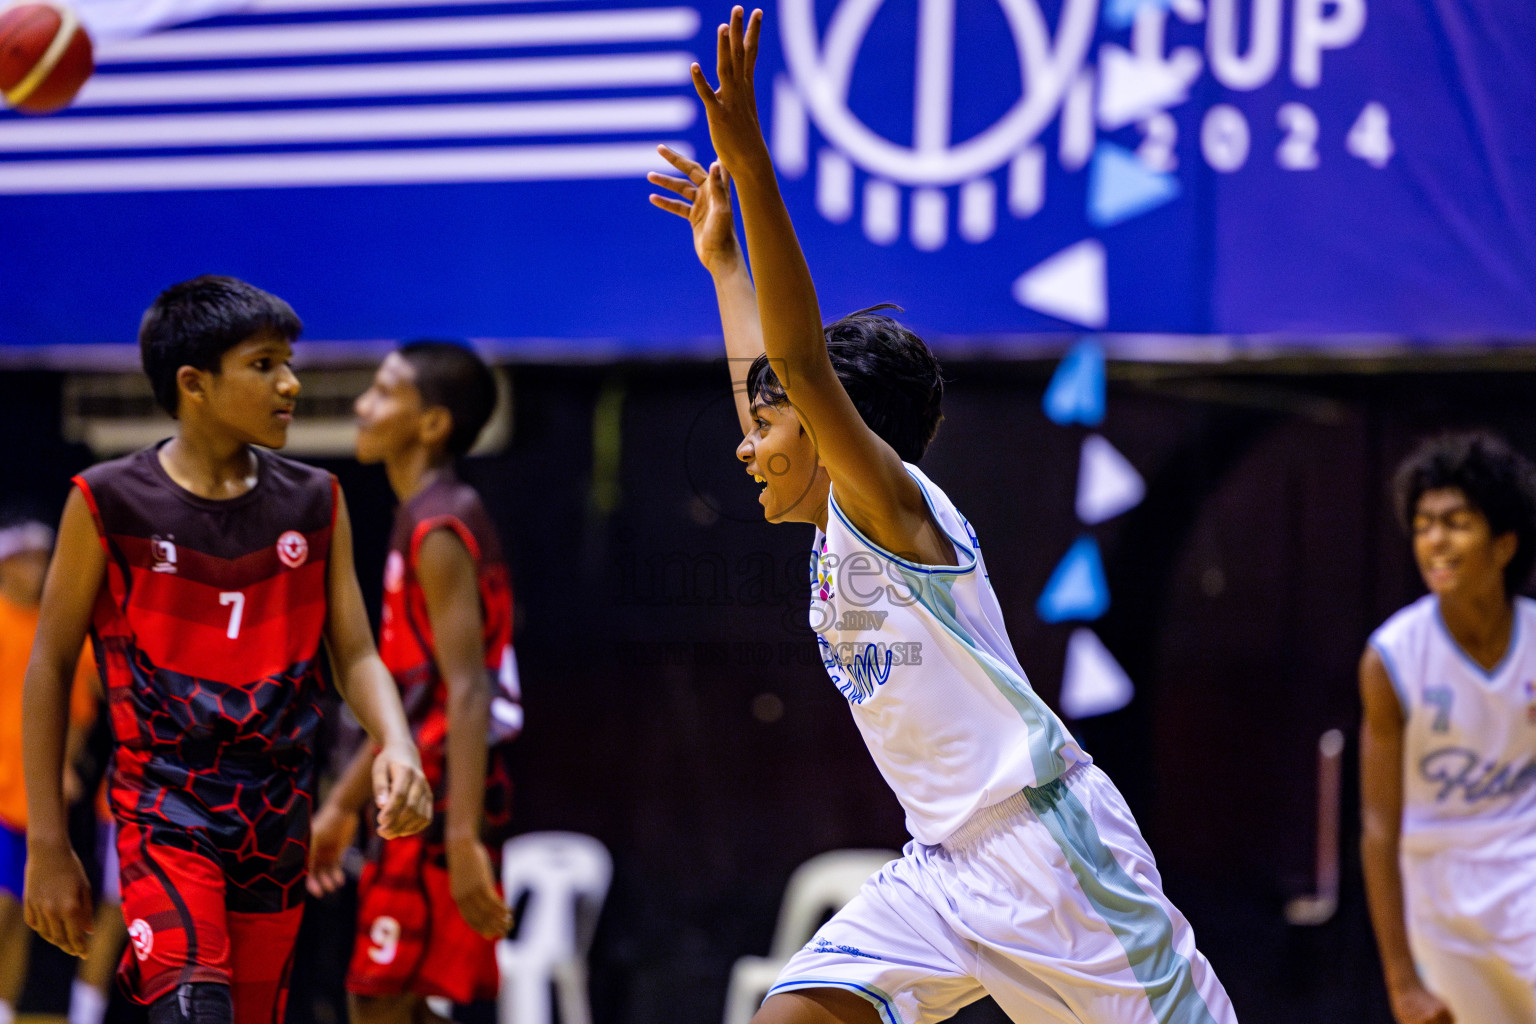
pixel 450 375
pixel 1497 480
pixel 891 376
pixel 195 322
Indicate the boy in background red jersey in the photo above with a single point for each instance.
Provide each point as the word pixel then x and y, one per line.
pixel 428 908
pixel 208 570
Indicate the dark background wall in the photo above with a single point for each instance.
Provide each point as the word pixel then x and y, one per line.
pixel 677 709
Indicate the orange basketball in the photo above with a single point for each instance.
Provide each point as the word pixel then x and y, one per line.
pixel 45 57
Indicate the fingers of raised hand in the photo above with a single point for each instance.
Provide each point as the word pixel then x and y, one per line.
pixel 743 34
pixel 676 206
pixel 704 89
pixel 682 186
pixel 724 60
pixel 692 169
pixel 749 43
pixel 719 182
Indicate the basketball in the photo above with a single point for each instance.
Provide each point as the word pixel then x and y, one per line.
pixel 45 57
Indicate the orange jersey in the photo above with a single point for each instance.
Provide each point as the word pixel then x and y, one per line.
pixel 18 625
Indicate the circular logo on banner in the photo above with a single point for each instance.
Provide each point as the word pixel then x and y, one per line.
pixel 394 572
pixel 143 938
pixel 292 549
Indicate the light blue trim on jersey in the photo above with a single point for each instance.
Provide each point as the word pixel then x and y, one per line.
pixel 1045 736
pixel 881 1002
pixel 1403 697
pixel 929 570
pixel 1488 675
pixel 1137 920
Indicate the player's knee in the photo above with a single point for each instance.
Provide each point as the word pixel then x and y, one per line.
pixel 197 1002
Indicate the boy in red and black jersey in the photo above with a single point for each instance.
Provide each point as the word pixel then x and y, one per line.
pixel 428 907
pixel 208 570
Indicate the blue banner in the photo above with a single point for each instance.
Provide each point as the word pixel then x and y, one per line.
pixel 1012 172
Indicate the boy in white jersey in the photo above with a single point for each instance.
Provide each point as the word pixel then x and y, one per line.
pixel 1448 745
pixel 1027 879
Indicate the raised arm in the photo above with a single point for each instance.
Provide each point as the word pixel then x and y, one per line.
pixel 868 479
pixel 1381 813
pixel 705 202
pixel 57 895
pixel 399 787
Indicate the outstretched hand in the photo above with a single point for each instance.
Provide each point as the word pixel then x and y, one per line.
pixel 705 204
pixel 732 108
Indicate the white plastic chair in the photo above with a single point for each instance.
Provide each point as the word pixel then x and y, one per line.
pixel 817 889
pixel 566 876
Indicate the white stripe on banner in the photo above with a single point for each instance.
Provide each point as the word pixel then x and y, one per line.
pixel 404 79
pixel 379 167
pixel 166 131
pixel 408 34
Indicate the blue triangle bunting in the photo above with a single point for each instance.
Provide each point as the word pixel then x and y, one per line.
pixel 1077 590
pixel 1120 186
pixel 1076 391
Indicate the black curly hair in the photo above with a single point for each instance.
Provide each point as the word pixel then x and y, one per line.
pixel 890 374
pixel 1497 480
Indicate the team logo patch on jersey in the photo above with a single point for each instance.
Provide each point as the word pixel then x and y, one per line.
pixel 394 572
pixel 143 938
pixel 823 585
pixel 163 553
pixel 1530 701
pixel 292 549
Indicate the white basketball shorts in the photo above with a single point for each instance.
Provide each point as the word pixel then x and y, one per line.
pixel 1472 929
pixel 1049 902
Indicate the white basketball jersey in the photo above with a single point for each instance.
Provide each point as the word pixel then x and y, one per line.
pixel 922 655
pixel 1469 738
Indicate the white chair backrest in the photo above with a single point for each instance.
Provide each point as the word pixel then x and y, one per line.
pixel 566 875
pixel 819 888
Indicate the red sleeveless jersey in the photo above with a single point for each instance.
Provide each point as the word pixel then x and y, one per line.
pixel 405 635
pixel 207 631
